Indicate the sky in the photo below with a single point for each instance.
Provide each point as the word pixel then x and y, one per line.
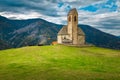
pixel 101 14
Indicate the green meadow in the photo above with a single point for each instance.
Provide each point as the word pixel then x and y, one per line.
pixel 59 62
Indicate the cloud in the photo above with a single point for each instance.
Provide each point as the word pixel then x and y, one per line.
pixel 101 14
pixel 21 16
pixel 105 21
pixel 48 7
pixel 111 31
pixel 118 4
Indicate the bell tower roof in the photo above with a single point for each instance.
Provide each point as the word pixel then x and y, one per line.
pixel 72 11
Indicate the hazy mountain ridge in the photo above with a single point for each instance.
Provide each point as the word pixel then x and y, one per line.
pixel 19 33
pixel 3 45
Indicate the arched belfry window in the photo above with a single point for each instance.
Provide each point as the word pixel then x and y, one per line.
pixel 75 18
pixel 69 18
pixel 64 37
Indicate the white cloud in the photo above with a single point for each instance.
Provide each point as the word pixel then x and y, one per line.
pixel 118 4
pixel 20 16
pixel 107 22
pixel 31 15
pixel 112 31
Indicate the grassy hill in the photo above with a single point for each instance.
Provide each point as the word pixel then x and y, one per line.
pixel 59 63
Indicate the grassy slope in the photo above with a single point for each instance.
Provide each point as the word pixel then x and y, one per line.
pixel 59 63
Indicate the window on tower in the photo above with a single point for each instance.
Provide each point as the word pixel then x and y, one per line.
pixel 75 18
pixel 69 18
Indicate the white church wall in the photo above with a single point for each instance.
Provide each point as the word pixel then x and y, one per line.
pixel 59 39
pixel 65 37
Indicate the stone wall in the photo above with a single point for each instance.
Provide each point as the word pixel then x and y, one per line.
pixel 81 40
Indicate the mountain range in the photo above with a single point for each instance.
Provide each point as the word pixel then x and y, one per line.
pixel 18 33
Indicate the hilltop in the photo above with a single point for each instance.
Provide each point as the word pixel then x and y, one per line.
pixel 59 63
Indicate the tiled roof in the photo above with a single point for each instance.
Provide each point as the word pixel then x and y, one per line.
pixel 80 31
pixel 63 31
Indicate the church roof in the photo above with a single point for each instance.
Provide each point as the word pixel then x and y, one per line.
pixel 80 32
pixel 63 31
pixel 72 11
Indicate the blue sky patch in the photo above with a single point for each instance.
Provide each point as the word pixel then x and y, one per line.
pixel 60 4
pixel 90 8
pixel 68 8
pixel 109 5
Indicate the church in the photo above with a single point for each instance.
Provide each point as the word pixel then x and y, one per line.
pixel 71 34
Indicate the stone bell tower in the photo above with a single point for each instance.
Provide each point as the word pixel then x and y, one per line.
pixel 73 25
pixel 71 34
